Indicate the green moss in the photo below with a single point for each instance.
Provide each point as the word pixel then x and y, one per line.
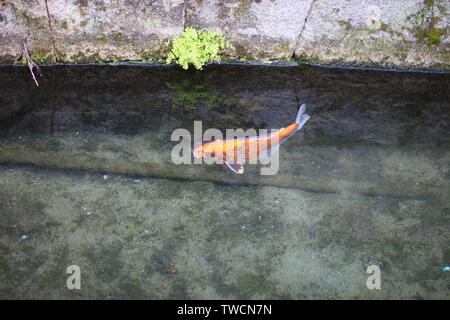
pixel 82 58
pixel 434 36
pixel 149 56
pixel 28 20
pixel 83 3
pixel 116 37
pixel 424 24
pixel 288 59
pixel 103 38
pixel 442 9
pixel 64 25
pixel 39 59
pixel 197 48
pixel 429 3
pixel 384 27
pixel 345 24
pixel 429 35
pixel 39 56
pixel 303 59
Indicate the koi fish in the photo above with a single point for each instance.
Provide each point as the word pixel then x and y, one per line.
pixel 235 152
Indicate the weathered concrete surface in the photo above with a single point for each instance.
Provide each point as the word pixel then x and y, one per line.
pixel 115 30
pixel 406 33
pixel 22 21
pixel 90 30
pixel 390 33
pixel 258 29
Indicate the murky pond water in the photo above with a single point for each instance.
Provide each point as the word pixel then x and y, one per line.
pixel 86 179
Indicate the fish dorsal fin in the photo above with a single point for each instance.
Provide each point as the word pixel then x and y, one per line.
pixel 236 167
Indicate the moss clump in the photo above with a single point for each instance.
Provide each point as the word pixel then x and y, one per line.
pixel 197 48
pixel 345 24
pixel 434 36
pixel 424 25
pixel 429 3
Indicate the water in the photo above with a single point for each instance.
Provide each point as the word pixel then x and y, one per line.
pixel 86 179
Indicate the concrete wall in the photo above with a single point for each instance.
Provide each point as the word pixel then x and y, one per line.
pixel 393 33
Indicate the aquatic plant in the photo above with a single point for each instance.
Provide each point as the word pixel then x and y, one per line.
pixel 197 47
pixel 191 92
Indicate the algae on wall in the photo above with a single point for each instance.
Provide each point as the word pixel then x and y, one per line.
pixel 393 33
pixel 382 33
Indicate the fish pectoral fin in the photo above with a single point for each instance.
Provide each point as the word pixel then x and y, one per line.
pixel 236 167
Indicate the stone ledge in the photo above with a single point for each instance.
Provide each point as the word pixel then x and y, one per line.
pixel 398 34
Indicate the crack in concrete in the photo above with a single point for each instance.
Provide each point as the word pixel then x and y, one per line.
pixel 184 15
pixel 303 27
pixel 51 33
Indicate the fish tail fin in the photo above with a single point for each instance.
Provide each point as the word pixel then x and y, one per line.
pixel 302 117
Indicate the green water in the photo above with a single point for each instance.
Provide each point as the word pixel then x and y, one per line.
pixel 86 179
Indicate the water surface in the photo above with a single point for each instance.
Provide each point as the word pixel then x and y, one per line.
pixel 86 179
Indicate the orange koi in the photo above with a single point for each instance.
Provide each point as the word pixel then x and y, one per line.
pixel 235 152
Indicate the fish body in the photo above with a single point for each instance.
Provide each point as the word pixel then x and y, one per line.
pixel 235 152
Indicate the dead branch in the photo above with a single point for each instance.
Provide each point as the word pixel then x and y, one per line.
pixel 31 63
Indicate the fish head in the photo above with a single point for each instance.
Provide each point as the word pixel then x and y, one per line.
pixel 208 150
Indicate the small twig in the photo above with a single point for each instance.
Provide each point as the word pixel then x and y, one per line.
pixel 31 63
pixel 25 52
